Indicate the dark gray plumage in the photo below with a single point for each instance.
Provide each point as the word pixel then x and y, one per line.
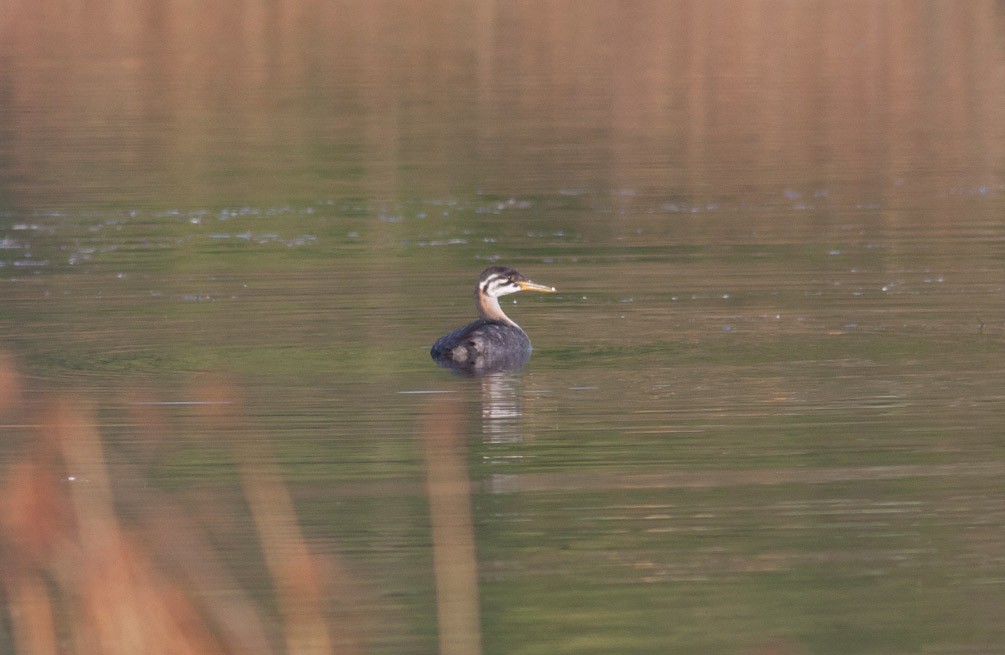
pixel 493 342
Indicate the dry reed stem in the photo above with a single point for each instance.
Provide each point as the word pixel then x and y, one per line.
pixel 78 581
pixel 294 571
pixel 454 560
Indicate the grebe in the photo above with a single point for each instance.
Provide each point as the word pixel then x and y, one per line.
pixel 493 342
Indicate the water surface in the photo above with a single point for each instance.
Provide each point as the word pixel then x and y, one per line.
pixel 764 410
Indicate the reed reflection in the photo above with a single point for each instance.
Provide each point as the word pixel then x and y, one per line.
pixel 710 99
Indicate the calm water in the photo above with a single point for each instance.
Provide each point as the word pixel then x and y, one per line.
pixel 764 411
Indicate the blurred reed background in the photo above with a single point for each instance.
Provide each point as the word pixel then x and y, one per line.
pixel 79 577
pixel 251 103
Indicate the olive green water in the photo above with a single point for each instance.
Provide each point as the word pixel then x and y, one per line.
pixel 764 412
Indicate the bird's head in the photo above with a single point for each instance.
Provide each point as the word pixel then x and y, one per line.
pixel 501 280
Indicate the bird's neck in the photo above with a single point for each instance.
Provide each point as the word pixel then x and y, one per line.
pixel 489 309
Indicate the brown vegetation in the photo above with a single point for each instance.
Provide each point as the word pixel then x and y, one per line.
pixel 78 578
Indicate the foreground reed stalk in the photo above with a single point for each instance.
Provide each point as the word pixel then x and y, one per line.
pixel 78 579
pixel 454 560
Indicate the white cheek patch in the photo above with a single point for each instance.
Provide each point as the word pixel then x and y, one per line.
pixel 500 288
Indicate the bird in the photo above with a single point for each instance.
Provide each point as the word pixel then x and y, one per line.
pixel 493 342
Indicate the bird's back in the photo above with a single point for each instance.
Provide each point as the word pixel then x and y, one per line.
pixel 483 344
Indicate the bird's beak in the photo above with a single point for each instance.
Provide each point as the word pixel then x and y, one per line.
pixel 527 285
